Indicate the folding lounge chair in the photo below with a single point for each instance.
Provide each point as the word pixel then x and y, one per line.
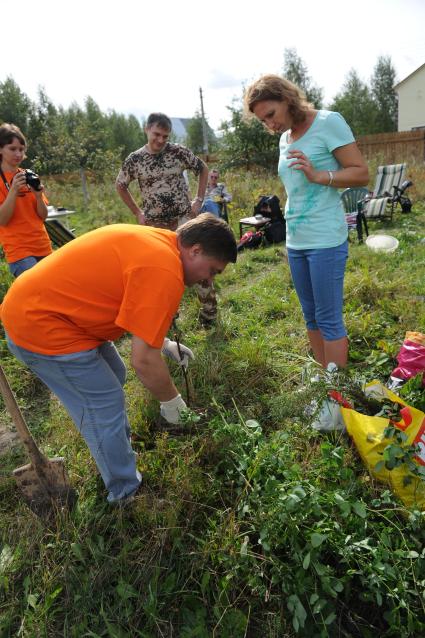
pixel 58 233
pixel 386 194
pixel 352 199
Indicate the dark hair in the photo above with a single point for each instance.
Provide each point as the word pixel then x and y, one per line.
pixel 213 234
pixel 274 87
pixel 8 132
pixel 161 119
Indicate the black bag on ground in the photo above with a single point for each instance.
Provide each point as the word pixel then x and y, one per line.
pixel 269 206
pixel 406 205
pixel 275 232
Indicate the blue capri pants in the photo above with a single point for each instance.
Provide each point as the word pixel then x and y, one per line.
pixel 90 386
pixel 318 276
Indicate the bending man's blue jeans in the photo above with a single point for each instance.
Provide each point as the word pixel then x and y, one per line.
pixel 90 386
pixel 318 276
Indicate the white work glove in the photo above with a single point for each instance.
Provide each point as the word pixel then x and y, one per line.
pixel 171 350
pixel 329 417
pixel 170 410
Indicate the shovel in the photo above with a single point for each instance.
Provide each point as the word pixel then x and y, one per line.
pixel 43 482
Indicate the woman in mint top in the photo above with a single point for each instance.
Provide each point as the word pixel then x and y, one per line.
pixel 318 155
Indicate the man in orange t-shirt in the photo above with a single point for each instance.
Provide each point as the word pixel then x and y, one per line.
pixel 61 318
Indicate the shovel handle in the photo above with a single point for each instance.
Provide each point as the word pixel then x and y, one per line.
pixel 37 458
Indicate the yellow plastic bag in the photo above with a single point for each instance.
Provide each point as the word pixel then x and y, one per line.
pixel 367 433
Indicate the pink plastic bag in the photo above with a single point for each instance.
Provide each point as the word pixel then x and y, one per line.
pixel 411 359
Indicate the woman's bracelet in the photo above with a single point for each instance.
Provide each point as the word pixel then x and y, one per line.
pixel 331 178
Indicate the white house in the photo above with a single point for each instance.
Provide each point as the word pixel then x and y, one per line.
pixel 411 100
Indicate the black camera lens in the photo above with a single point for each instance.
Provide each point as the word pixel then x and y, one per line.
pixel 32 179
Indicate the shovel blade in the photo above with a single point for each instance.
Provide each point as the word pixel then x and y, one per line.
pixel 45 488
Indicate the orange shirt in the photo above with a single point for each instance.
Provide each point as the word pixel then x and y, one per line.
pixel 25 234
pixel 116 279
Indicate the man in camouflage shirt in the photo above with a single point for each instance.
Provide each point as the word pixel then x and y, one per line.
pixel 159 168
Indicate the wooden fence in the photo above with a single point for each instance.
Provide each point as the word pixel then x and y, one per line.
pixel 394 148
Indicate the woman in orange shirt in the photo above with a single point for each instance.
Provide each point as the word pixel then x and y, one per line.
pixel 22 208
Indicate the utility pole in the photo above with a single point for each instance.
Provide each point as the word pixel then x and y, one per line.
pixel 204 126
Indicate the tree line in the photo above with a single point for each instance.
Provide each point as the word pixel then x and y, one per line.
pixel 64 140
pixel 79 138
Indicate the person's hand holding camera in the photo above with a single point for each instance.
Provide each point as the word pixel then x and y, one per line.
pixel 33 181
pixel 18 183
pixel 28 178
pixel 39 192
pixel 37 189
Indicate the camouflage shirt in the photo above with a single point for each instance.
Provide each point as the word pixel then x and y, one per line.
pixel 162 184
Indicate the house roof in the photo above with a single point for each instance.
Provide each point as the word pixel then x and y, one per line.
pixel 410 75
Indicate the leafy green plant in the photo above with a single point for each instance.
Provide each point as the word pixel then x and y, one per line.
pixel 398 454
pixel 413 392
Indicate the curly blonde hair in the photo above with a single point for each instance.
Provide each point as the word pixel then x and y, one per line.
pixel 274 87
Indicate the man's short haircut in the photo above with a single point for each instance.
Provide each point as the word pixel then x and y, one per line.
pixel 162 120
pixel 213 234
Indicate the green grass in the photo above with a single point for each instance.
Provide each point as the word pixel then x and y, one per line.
pixel 255 525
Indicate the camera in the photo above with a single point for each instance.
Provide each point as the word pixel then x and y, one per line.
pixel 32 179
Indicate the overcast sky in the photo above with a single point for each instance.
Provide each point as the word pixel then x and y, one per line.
pixel 137 56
